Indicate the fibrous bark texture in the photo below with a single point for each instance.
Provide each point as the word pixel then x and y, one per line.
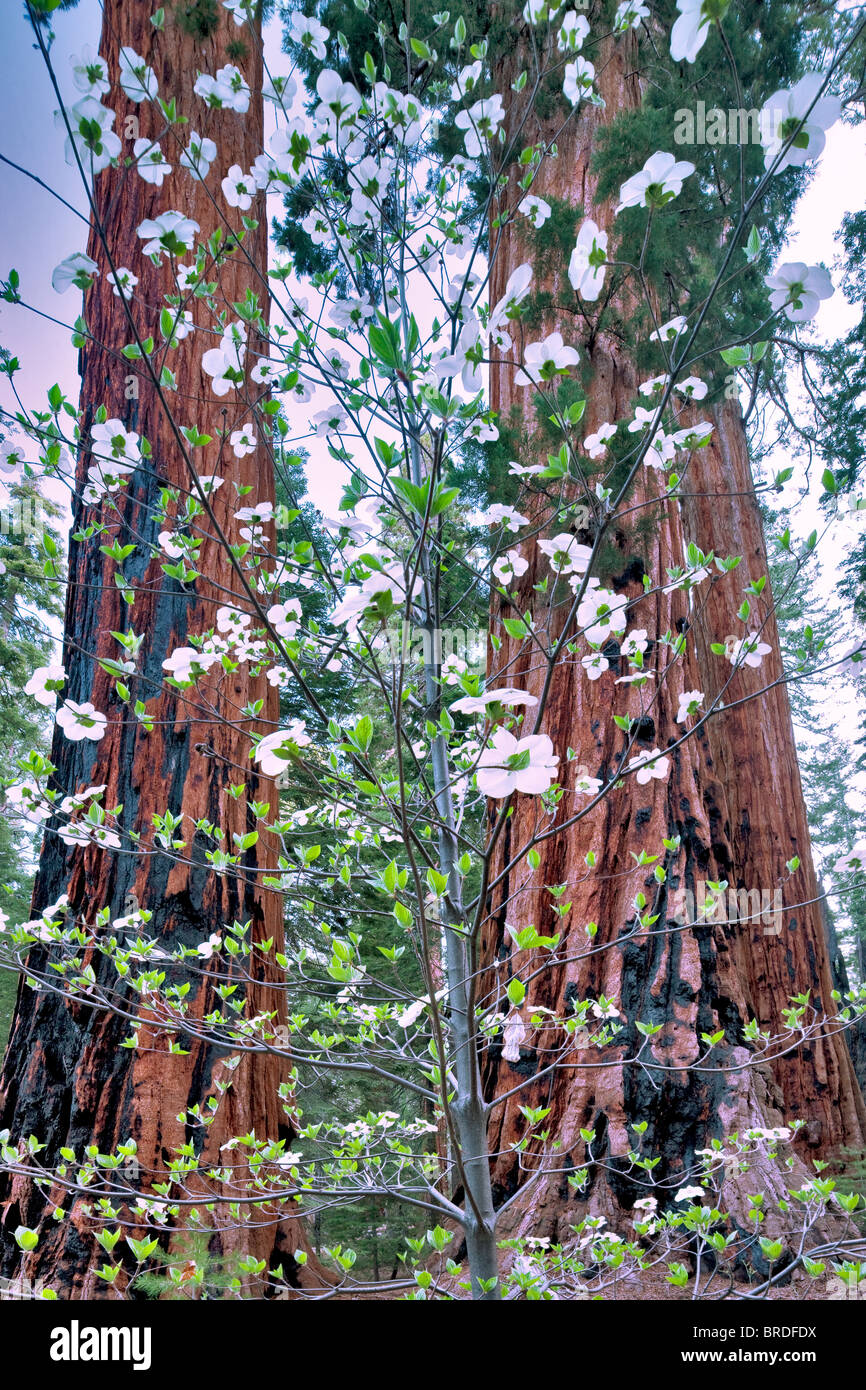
pixel 732 798
pixel 65 1078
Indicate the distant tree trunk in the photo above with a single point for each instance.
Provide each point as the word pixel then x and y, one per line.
pixel 694 981
pixel 66 1079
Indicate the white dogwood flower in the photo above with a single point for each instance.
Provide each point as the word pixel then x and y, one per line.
pixel 854 861
pixel 691 29
pixel 798 289
pixel 89 137
pixel 566 554
pixel 309 33
pixel 80 721
pixel 595 665
pixel 509 764
pixel 544 360
pixel 187 663
pixel 800 113
pixel 690 1194
pixel 136 78
pixel 78 269
pixel 588 259
pixel 151 162
pixel 601 613
pixel 274 751
pixel 170 231
pixel 690 700
pixel 500 514
pixel 239 188
pixel 242 441
pixel 112 443
pixel 279 89
pixel 596 444
pixel 509 566
pixel 480 122
pixel 226 89
pixel 629 15
pixel 693 387
pixel 502 695
pixel 660 180
pixel 749 651
pixel 207 948
pixel 536 210
pixel 45 682
pixel 90 73
pixel 225 364
pixel 573 30
pixel 577 80
pixel 123 282
pixel 508 307
pixel 199 155
pixel 285 617
pixel 668 332
pixel 649 765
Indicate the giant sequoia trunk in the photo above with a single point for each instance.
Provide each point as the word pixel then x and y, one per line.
pixel 66 1079
pixel 732 797
pixel 755 758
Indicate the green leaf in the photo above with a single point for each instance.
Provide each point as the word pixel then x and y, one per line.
pixel 516 992
pixel 436 882
pixel 735 356
pixel 403 915
pixel 25 1238
pixel 363 733
pixel 413 494
pixel 384 342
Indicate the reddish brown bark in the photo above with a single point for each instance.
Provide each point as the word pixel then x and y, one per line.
pixel 65 1078
pixel 754 754
pixel 694 981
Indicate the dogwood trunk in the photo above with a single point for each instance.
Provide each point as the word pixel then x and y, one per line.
pixel 66 1077
pixel 731 775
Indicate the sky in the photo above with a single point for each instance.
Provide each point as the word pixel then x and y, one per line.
pixel 37 231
